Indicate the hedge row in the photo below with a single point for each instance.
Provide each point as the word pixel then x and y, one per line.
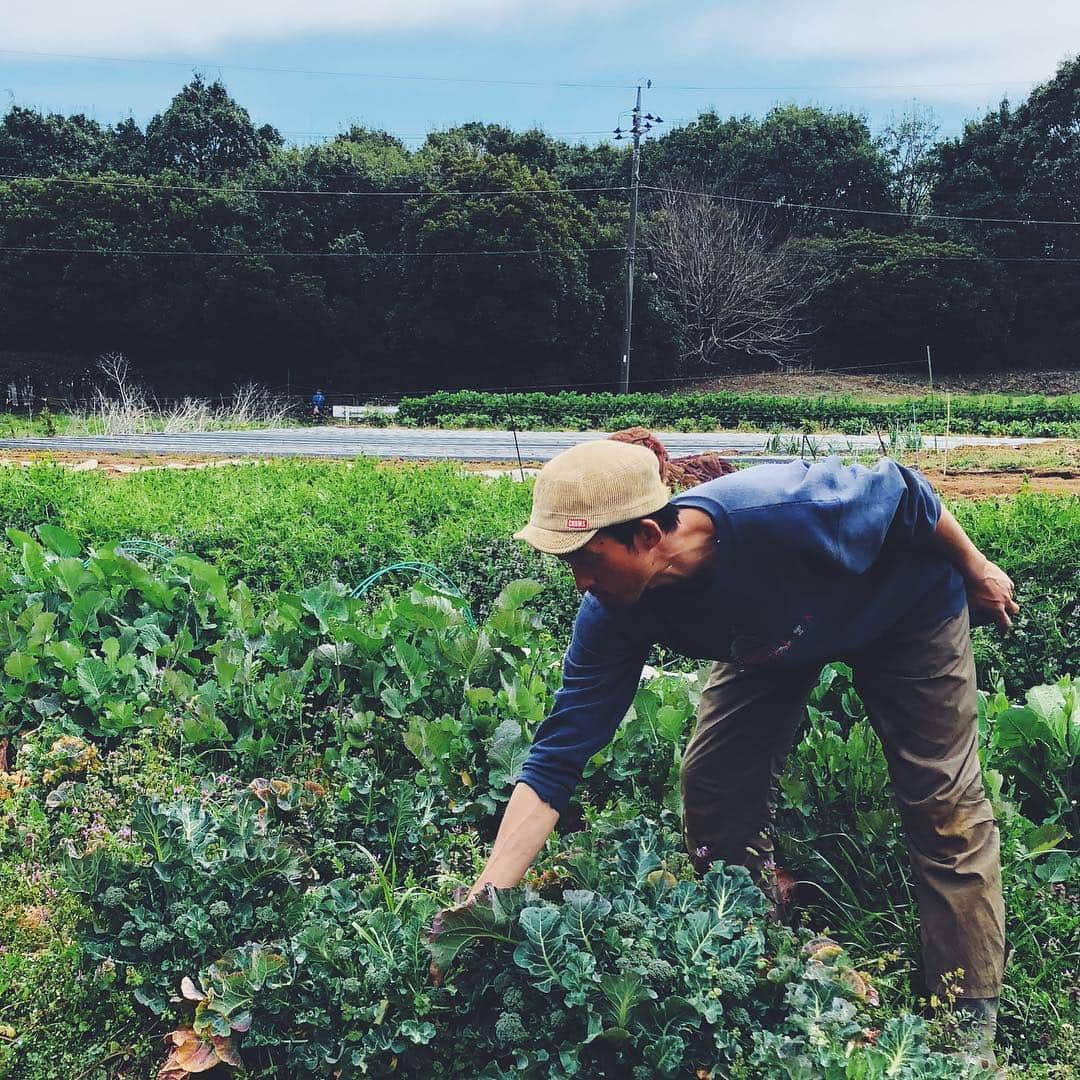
pixel 988 414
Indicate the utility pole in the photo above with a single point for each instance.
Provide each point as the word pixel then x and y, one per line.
pixel 639 125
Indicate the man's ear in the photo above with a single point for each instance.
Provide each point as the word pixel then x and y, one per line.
pixel 648 534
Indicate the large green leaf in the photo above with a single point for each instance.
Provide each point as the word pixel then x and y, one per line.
pixel 394 702
pixel 412 664
pixel 621 994
pixel 31 552
pixel 1045 838
pixel 206 577
pixel 638 857
pixel 325 601
pixel 490 918
pixel 669 1016
pixel 517 593
pixel 1047 701
pixel 734 897
pixel 20 666
pixel 900 1045
pixel 699 937
pixel 73 576
pixel 205 728
pixel 582 910
pixel 59 541
pixel 178 683
pixel 671 722
pixel 665 1054
pixel 508 753
pixel 431 740
pixel 543 953
pixel 66 653
pixel 94 678
pixel 1020 727
pixel 135 574
pixel 85 608
pixel 646 706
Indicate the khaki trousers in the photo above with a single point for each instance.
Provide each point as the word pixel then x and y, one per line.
pixel 919 690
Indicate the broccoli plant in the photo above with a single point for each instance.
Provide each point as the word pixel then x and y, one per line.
pixel 649 971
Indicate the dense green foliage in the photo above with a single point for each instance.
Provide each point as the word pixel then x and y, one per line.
pixel 990 414
pixel 210 253
pixel 1023 162
pixel 896 294
pixel 245 810
pixel 287 524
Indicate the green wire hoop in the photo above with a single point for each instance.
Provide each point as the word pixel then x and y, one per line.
pixel 136 550
pixel 147 549
pixel 426 570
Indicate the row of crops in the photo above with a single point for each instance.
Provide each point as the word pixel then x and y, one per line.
pixel 234 800
pixel 990 414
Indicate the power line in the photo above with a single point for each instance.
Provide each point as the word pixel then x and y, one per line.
pixel 260 253
pixel 229 190
pixel 510 82
pixel 427 134
pixel 778 203
pixel 782 204
pixel 281 253
pixel 842 86
pixel 313 71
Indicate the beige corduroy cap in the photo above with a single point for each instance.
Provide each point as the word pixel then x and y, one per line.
pixel 588 487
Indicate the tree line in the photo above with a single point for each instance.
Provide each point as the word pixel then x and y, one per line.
pixel 210 253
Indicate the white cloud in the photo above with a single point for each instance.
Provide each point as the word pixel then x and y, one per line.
pixel 965 51
pixel 140 27
pixel 981 43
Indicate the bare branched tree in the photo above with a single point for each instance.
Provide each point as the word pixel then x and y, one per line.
pixel 116 371
pixel 737 291
pixel 123 408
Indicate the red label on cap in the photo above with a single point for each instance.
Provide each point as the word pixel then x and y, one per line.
pixel 577 524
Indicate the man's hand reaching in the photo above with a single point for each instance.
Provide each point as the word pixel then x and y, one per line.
pixel 525 827
pixel 991 595
pixel 989 588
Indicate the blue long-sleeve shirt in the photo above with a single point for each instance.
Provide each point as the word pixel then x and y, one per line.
pixel 815 561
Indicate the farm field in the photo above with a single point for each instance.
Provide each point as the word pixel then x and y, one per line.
pixel 215 727
pixel 1045 406
pixel 890 418
pixel 897 384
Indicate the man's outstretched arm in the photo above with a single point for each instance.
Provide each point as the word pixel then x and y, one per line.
pixel 526 825
pixel 989 588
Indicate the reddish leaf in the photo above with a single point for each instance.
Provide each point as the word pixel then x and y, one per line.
pixel 786 886
pixel 191 1054
pixel 861 986
pixel 225 1050
pixel 822 949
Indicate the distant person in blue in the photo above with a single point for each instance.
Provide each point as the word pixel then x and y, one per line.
pixel 318 402
pixel 772 572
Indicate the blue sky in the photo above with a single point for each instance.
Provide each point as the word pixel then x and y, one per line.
pixel 503 60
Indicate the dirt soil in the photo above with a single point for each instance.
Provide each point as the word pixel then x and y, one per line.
pixel 979 485
pixel 811 383
pixel 122 464
pixel 968 481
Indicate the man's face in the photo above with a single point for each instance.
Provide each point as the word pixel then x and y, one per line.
pixel 613 573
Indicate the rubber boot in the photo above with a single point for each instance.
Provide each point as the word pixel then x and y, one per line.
pixel 977 1028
